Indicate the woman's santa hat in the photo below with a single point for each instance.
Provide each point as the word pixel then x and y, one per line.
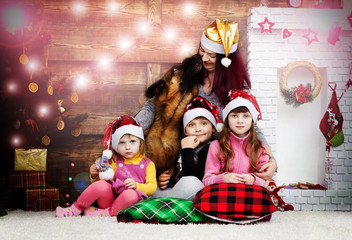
pixel 200 107
pixel 237 98
pixel 115 130
pixel 221 36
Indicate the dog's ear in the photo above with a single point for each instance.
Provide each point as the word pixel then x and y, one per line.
pixel 155 88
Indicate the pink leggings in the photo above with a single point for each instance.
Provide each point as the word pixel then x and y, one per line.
pixel 102 192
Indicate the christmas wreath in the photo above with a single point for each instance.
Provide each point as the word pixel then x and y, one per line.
pixel 301 94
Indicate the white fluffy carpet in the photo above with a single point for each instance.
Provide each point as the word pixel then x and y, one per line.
pixel 301 225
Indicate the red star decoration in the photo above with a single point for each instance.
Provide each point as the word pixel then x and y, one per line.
pixel 311 36
pixel 334 35
pixel 266 25
pixel 350 19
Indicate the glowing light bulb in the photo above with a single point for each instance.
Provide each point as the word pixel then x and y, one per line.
pixel 104 62
pixel 170 34
pixel 70 179
pixel 72 164
pixel 32 66
pixel 78 8
pixel 113 7
pixel 186 49
pixel 144 27
pixel 67 195
pixel 81 81
pixel 189 8
pixel 43 110
pixel 125 43
pixel 11 87
pixel 16 141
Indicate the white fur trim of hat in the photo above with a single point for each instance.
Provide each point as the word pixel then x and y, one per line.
pixel 126 129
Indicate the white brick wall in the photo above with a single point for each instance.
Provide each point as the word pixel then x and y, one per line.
pixel 268 52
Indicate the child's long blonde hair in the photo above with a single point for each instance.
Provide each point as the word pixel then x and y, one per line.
pixel 252 141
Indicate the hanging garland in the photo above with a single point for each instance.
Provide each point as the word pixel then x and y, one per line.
pixel 300 94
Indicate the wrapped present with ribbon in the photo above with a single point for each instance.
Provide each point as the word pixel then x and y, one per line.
pixel 32 159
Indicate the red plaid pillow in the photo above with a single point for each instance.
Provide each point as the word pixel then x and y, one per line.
pixel 240 203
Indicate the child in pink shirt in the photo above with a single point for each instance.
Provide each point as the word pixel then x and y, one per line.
pixel 237 153
pixel 133 175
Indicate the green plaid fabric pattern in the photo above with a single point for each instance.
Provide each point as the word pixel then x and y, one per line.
pixel 163 210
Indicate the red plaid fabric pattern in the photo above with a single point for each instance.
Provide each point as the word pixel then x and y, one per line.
pixel 41 199
pixel 24 179
pixel 35 199
pixel 232 201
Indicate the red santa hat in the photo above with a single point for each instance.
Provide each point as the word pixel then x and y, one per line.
pixel 237 98
pixel 200 107
pixel 115 130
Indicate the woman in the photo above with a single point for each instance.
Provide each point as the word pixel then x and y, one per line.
pixel 223 69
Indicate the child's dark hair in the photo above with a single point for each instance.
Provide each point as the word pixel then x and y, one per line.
pixel 226 151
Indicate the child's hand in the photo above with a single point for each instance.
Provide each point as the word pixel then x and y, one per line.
pixel 233 178
pixel 164 179
pixel 130 183
pixel 248 178
pixel 189 142
pixel 93 171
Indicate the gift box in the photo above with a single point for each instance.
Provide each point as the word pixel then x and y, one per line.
pixel 25 179
pixel 30 159
pixel 36 199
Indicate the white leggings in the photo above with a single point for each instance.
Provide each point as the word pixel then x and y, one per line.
pixel 186 188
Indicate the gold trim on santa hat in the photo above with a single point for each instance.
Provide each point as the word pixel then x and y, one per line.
pixel 224 34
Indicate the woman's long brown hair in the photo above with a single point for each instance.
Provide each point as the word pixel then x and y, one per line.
pixel 227 78
pixel 252 141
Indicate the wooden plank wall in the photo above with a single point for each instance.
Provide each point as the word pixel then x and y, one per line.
pixel 79 40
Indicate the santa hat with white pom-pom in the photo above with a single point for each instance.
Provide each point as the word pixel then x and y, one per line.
pixel 221 36
pixel 237 98
pixel 200 107
pixel 115 130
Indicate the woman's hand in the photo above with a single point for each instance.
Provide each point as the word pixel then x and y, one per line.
pixel 267 171
pixel 164 179
pixel 93 170
pixel 130 183
pixel 189 142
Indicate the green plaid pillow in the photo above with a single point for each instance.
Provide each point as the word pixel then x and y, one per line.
pixel 162 210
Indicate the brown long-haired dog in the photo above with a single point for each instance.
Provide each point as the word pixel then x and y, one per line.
pixel 172 94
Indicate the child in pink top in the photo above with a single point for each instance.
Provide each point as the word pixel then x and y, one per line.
pixel 237 153
pixel 133 175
